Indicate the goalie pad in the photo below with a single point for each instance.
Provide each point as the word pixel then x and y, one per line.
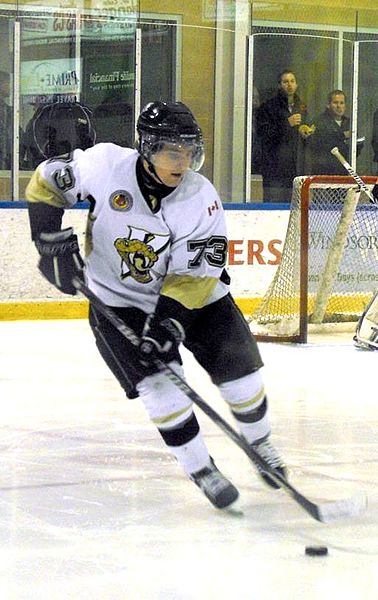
pixel 366 336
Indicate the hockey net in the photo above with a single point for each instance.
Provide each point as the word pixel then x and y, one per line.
pixel 328 269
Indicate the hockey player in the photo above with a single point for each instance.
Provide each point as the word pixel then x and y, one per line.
pixel 157 249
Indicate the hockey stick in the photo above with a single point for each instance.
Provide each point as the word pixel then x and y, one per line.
pixel 336 152
pixel 324 512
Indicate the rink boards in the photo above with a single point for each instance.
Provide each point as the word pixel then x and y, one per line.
pixel 256 238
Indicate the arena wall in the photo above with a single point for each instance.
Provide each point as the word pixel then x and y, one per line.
pixel 256 240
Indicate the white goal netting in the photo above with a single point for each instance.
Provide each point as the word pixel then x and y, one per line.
pixel 329 264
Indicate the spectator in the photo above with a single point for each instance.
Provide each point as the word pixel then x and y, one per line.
pixel 374 141
pixel 31 156
pixel 332 128
pixel 256 145
pixel 113 120
pixel 282 127
pixel 5 122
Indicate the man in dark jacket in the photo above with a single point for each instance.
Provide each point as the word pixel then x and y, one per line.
pixel 5 122
pixel 282 127
pixel 374 141
pixel 332 129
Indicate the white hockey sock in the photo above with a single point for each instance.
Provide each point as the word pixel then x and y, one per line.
pixel 192 456
pixel 169 409
pixel 247 401
pixel 252 432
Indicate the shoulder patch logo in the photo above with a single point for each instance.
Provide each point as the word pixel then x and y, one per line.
pixel 139 252
pixel 121 200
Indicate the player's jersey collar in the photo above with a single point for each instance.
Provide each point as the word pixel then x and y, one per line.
pixel 152 191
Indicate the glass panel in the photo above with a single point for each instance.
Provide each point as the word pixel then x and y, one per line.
pixel 90 59
pixel 108 59
pixel 194 52
pixel 179 45
pixel 50 71
pixel 6 98
pixel 367 114
pixel 280 148
pixel 367 120
pixel 197 84
pixel 67 56
pixel 159 53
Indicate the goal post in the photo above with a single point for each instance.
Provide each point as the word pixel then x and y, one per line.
pixel 328 269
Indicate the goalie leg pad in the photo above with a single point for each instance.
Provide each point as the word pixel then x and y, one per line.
pixel 366 336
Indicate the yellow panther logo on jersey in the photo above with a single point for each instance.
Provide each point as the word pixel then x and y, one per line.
pixel 139 252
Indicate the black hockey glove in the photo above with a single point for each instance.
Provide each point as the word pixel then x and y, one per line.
pixel 159 338
pixel 60 259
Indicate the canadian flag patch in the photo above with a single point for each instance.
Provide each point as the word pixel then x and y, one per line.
pixel 213 208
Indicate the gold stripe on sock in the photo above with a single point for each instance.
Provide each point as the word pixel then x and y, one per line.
pixel 171 417
pixel 248 403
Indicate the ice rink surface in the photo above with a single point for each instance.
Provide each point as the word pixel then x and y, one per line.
pixel 93 507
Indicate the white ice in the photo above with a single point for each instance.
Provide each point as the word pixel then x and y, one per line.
pixel 93 507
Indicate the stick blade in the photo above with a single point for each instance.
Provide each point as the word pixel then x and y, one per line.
pixel 342 509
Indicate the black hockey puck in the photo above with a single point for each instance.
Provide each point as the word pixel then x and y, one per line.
pixel 316 550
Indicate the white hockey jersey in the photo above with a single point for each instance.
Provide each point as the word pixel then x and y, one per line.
pixel 133 254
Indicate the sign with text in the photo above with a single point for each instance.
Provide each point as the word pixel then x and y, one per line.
pixel 256 241
pixel 49 77
pixel 109 78
pixel 111 23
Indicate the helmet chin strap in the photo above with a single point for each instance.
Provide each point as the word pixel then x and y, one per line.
pixel 152 170
pixel 152 179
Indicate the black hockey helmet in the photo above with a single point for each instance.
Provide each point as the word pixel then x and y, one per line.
pixel 169 122
pixel 61 127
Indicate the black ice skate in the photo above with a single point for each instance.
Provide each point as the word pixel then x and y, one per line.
pixel 268 452
pixel 221 492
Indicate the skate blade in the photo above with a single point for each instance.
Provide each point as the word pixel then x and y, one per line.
pixel 234 509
